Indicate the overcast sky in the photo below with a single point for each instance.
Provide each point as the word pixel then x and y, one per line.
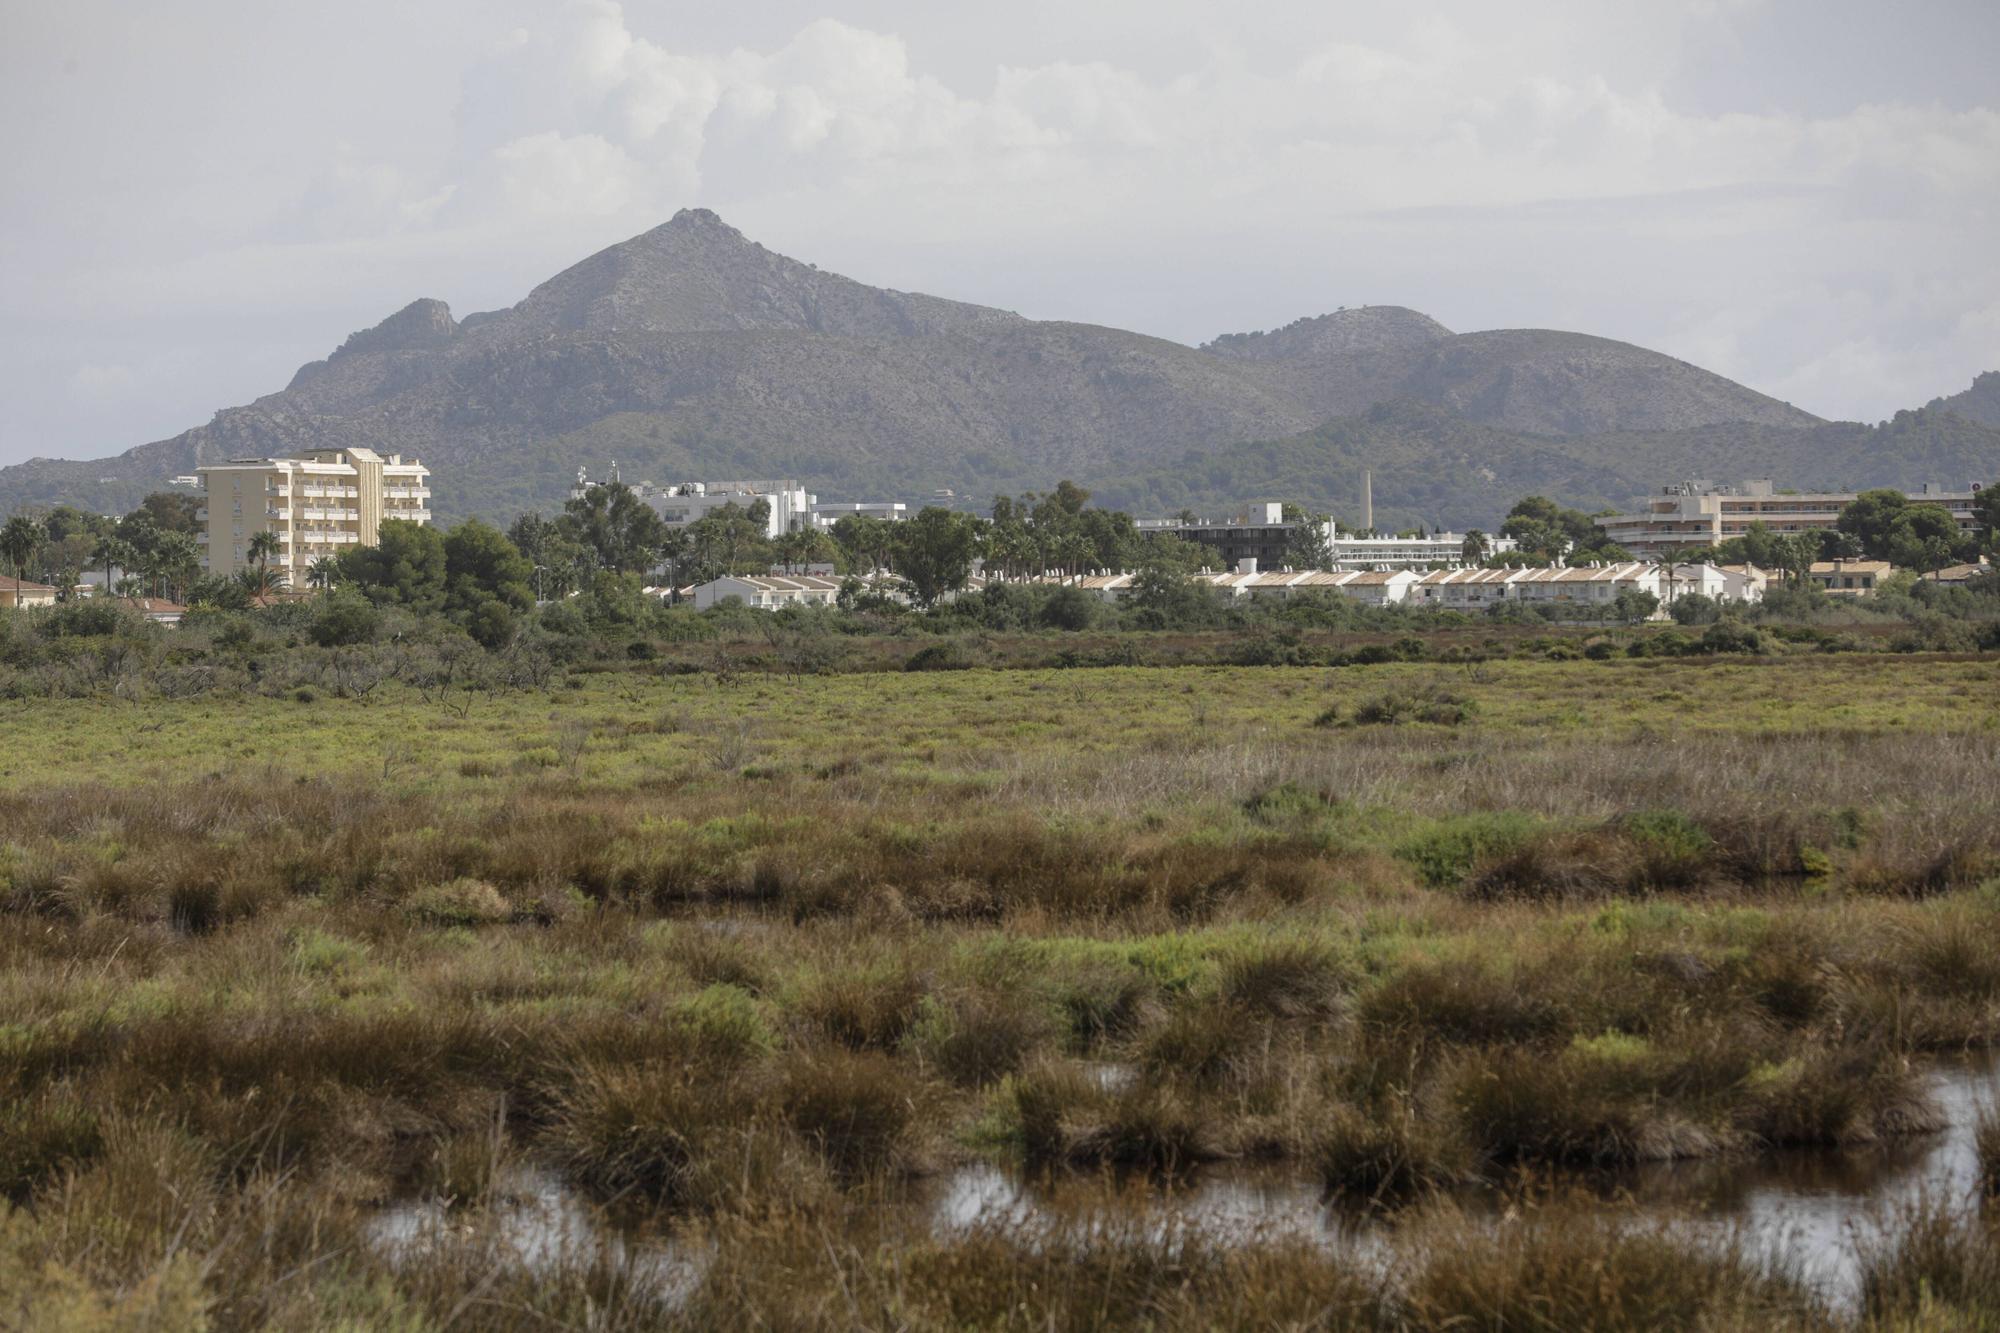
pixel 1801 194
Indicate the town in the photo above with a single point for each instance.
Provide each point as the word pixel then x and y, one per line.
pixel 261 529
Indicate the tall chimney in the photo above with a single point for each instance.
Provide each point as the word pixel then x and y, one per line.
pixel 1367 501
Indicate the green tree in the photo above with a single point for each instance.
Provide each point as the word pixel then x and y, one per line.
pixel 1546 532
pixel 1473 549
pixel 729 540
pixel 486 581
pixel 557 562
pixel 1069 608
pixel 1987 509
pixel 344 618
pixel 170 511
pixel 611 522
pixel 868 543
pixel 1164 597
pixel 1926 538
pixel 935 551
pixel 1633 605
pixel 1871 519
pixel 406 567
pixel 1306 545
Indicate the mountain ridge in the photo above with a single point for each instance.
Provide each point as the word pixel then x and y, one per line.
pixel 691 349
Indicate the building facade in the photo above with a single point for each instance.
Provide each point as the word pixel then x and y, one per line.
pixel 1577 586
pixel 316 504
pixel 768 592
pixel 1850 578
pixel 824 516
pixel 1439 548
pixel 1700 513
pixel 16 593
pixel 1261 533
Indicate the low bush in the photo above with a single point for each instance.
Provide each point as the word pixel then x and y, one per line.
pixel 1444 854
pixel 461 902
pixel 1431 703
pixel 949 655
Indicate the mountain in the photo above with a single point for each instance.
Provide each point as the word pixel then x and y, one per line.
pixel 1434 467
pixel 1980 403
pixel 692 351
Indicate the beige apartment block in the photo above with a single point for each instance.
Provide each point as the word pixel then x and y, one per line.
pixel 1700 513
pixel 318 504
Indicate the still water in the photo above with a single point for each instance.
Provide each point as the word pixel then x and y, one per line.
pixel 1816 1212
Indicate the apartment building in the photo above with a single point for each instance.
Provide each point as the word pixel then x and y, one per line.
pixel 1384 553
pixel 1701 513
pixel 317 504
pixel 1261 533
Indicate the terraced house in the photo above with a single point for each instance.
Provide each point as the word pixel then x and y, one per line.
pixel 315 504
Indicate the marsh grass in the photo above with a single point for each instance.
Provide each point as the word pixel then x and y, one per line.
pixel 245 997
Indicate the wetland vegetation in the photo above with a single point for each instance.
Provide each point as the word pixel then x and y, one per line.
pixel 739 961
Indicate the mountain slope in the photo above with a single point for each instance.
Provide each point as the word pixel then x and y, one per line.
pixel 1980 403
pixel 691 350
pixel 1433 467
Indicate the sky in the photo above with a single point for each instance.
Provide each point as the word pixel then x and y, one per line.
pixel 1803 195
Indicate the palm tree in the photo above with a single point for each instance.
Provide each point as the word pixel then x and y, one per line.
pixel 180 561
pixel 259 582
pixel 324 573
pixel 1073 551
pixel 19 541
pixel 263 545
pixel 1676 557
pixel 1473 549
pixel 113 552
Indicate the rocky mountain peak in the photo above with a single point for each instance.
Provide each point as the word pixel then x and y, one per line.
pixel 1362 329
pixel 423 323
pixel 695 273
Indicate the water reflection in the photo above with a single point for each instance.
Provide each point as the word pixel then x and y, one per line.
pixel 534 1220
pixel 1813 1212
